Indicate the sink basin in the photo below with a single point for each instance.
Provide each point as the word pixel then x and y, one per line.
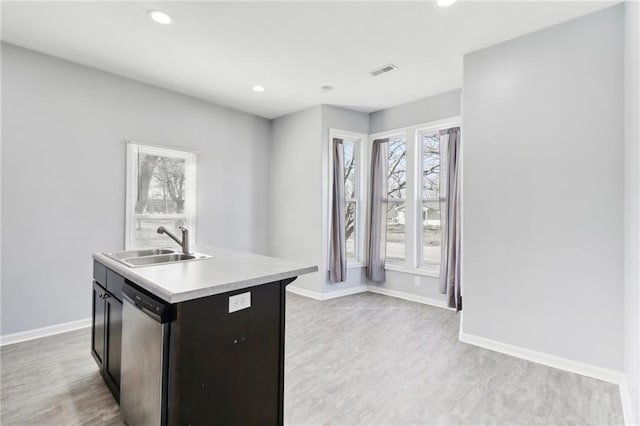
pixel 149 257
pixel 137 253
pixel 163 258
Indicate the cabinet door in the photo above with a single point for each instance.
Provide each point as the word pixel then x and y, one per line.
pixel 98 325
pixel 229 372
pixel 113 338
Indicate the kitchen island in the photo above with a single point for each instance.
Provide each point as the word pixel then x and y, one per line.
pixel 195 342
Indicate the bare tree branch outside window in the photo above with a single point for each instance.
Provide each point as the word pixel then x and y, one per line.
pixel 350 147
pixel 161 182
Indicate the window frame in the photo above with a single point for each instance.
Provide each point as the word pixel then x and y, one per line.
pixel 191 159
pixel 413 203
pixel 361 154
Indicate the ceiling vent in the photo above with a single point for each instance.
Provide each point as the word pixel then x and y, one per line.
pixel 384 69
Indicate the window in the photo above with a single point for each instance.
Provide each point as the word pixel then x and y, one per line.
pixel 430 197
pixel 161 191
pixel 416 206
pixel 354 192
pixel 396 200
pixel 351 194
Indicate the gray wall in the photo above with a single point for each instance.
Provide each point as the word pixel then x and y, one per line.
pixel 63 177
pixel 295 192
pixel 632 207
pixel 543 132
pixel 299 180
pixel 424 110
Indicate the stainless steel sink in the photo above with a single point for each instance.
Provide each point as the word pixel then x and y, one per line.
pixel 149 257
pixel 137 253
pixel 163 258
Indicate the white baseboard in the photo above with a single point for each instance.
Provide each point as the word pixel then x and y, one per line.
pixel 326 296
pixel 408 296
pixel 572 366
pixel 627 404
pixel 44 331
pixel 363 288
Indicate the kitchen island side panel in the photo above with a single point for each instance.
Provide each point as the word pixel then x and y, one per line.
pixel 227 368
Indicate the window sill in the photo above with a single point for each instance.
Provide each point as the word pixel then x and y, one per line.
pixel 413 271
pixel 355 265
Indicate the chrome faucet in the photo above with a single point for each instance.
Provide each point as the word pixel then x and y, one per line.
pixel 185 237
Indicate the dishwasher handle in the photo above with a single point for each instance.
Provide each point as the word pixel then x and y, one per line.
pixel 150 305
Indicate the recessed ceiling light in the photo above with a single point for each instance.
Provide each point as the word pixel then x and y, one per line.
pixel 258 88
pixel 159 16
pixel 445 3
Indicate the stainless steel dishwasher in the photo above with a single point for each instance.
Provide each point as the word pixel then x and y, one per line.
pixel 145 338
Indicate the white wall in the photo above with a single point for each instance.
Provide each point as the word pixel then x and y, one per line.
pixel 64 128
pixel 543 191
pixel 433 108
pixel 295 192
pixel 632 210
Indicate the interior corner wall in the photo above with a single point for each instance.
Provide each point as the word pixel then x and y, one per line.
pixel 295 192
pixel 425 110
pixel 432 108
pixel 543 191
pixel 64 128
pixel 632 211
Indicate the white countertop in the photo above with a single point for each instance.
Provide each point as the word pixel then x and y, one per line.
pixel 227 270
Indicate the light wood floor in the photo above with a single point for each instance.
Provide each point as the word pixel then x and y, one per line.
pixel 362 359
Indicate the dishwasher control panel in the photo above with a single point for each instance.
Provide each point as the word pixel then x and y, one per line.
pixel 146 302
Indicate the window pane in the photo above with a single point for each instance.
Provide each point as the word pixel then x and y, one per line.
pixel 161 184
pixel 397 181
pixel 350 233
pixel 431 166
pixel 145 234
pixel 350 147
pixel 162 194
pixel 432 203
pixel 431 232
pixel 395 232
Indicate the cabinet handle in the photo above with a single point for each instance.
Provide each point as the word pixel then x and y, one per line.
pixel 107 295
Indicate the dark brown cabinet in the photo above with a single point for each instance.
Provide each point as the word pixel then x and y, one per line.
pixel 97 331
pixel 113 339
pixel 106 331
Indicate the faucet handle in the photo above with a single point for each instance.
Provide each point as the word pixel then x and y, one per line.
pixel 185 239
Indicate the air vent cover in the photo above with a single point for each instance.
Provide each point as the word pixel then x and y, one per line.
pixel 384 69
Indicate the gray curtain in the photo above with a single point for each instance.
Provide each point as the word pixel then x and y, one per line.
pixel 450 217
pixel 378 211
pixel 338 252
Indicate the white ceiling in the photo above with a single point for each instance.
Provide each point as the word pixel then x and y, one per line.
pixel 218 51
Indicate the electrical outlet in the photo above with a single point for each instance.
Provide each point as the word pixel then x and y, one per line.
pixel 417 281
pixel 239 302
